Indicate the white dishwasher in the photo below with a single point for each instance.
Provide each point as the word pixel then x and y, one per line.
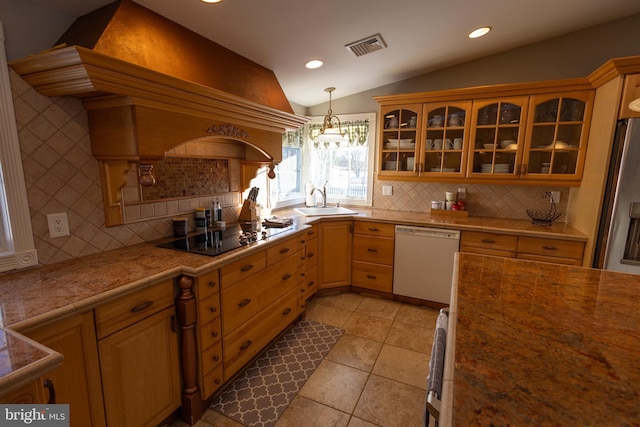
pixel 423 262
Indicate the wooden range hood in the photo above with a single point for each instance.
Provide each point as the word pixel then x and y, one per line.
pixel 142 102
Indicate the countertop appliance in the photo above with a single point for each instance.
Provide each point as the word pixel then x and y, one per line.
pixel 618 240
pixel 218 241
pixel 423 262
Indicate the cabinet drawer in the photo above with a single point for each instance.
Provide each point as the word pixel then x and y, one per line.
pixel 127 310
pixel 212 382
pixel 495 241
pixel 245 267
pixel 550 247
pixel 209 309
pixel 555 260
pixel 373 249
pixel 240 346
pixel 380 229
pixel 211 357
pixel 282 250
pixel 311 233
pixel 246 298
pixel 210 333
pixel 208 284
pixel 309 283
pixel 372 276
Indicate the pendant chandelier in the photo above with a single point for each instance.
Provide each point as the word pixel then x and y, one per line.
pixel 331 132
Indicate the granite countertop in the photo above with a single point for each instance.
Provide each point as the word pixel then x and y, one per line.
pixel 39 295
pixel 541 344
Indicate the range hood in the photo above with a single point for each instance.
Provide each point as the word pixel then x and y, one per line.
pixel 149 85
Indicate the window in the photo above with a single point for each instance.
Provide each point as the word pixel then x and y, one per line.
pixel 347 169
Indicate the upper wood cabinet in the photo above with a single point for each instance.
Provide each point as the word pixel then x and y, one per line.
pixel 517 134
pixel 400 129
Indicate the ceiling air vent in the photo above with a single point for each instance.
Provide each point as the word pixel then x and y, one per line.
pixel 366 45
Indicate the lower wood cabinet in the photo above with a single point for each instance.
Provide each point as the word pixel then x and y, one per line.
pixel 334 249
pixel 77 382
pixel 139 362
pixel 373 250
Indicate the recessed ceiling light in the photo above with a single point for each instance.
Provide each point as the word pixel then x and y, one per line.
pixel 210 1
pixel 479 32
pixel 314 63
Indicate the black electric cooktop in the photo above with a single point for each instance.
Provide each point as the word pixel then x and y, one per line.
pixel 218 241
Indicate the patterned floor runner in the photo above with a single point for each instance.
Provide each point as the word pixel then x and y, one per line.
pixel 260 395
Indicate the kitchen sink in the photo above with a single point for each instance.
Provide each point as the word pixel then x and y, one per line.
pixel 336 210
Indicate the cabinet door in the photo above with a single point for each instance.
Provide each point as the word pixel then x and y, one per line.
pixel 398 136
pixel 140 372
pixel 443 143
pixel 77 381
pixel 334 262
pixel 557 132
pixel 497 138
pixel 30 394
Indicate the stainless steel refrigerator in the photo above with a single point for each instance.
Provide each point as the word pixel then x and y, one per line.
pixel 618 240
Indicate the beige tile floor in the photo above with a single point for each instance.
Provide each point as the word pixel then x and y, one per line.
pixel 376 373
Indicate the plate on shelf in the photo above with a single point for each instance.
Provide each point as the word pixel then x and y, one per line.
pixel 489 146
pixel 400 143
pixel 558 145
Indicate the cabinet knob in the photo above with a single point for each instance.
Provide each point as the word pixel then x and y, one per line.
pixel 212 284
pixel 310 283
pixel 286 311
pixel 214 334
pixel 217 381
pixel 216 358
pixel 310 255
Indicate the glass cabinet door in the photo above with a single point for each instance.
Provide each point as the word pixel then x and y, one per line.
pixel 558 131
pixel 444 143
pixel 400 129
pixel 497 136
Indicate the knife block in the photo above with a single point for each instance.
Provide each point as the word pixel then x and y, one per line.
pixel 248 212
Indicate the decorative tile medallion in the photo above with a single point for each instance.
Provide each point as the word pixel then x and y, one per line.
pixel 262 393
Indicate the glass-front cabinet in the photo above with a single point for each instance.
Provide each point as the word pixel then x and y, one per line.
pixel 557 132
pixel 400 131
pixel 497 138
pixel 444 142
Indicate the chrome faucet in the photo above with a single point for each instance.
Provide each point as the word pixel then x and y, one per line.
pixel 323 192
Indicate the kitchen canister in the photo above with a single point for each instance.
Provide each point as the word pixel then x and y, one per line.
pixel 179 227
pixel 201 219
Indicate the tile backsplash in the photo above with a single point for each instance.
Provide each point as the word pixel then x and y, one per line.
pixel 62 176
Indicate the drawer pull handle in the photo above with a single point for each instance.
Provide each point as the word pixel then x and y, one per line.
pixel 213 309
pixel 244 302
pixel 302 290
pixel 246 345
pixel 310 233
pixel 286 311
pixel 371 276
pixel 286 276
pixel 212 284
pixel 372 250
pixel 550 248
pixel 246 268
pixel 216 381
pixel 216 358
pixel 214 334
pixel 284 250
pixel 373 229
pixel 48 384
pixel 311 283
pixel 310 255
pixel 142 306
pixel 488 241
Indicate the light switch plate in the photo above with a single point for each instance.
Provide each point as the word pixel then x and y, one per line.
pixel 556 196
pixel 58 225
pixel 387 190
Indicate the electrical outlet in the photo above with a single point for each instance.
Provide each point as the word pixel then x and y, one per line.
pixel 387 190
pixel 58 225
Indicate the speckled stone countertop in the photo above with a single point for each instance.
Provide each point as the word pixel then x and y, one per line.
pixel 541 344
pixel 34 297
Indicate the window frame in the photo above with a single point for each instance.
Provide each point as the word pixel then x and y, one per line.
pixel 15 218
